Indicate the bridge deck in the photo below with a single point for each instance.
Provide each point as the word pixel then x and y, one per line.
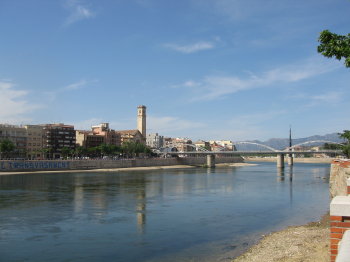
pixel 255 152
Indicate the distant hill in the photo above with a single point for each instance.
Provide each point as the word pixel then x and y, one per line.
pixel 282 143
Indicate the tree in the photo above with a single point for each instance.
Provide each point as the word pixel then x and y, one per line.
pixel 80 151
pixel 329 146
pixel 333 45
pixel 346 135
pixel 47 152
pixel 66 152
pixel 6 147
pixel 134 148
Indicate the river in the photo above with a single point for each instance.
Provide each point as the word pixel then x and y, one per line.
pixel 160 215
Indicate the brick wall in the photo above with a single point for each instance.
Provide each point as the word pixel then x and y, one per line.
pixel 338 226
pixel 340 206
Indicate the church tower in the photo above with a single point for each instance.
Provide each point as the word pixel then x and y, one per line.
pixel 141 120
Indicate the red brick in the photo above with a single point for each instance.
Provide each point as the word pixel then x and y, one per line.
pixel 336 235
pixel 336 218
pixel 334 246
pixel 335 241
pixel 340 224
pixel 337 230
pixel 334 252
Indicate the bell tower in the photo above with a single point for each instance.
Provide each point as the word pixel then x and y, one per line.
pixel 141 120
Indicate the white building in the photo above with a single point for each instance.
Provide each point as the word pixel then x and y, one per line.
pixel 226 144
pixel 154 140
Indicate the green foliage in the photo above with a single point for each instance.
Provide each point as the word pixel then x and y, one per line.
pixel 328 146
pixel 135 148
pixel 7 147
pixel 346 136
pixel 333 45
pixel 46 152
pixel 80 151
pixel 108 150
pixel 66 152
pixel 128 148
pixel 346 150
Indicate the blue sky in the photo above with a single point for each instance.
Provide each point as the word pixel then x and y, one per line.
pixel 205 69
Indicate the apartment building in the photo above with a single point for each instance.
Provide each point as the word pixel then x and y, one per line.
pixel 223 145
pixel 88 139
pixel 183 144
pixel 110 136
pixel 34 141
pixel 154 140
pixel 56 137
pixel 17 135
pixel 202 145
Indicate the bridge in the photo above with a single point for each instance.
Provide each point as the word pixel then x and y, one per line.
pixel 280 155
pixel 290 151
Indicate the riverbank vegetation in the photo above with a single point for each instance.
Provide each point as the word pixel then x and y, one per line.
pixel 127 149
pixel 6 148
pixel 346 148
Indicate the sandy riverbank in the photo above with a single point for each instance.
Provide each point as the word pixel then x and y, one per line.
pixel 307 243
pixel 125 169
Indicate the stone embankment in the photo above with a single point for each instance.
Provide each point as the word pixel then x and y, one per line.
pixel 340 172
pixel 61 165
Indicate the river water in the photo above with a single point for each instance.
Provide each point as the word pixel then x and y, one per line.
pixel 164 215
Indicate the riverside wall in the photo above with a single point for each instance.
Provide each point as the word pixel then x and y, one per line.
pixel 42 165
pixel 339 187
pixel 340 172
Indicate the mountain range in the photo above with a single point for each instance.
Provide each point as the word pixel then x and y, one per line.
pixel 282 143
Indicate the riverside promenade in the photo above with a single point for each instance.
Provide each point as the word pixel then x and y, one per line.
pixel 64 165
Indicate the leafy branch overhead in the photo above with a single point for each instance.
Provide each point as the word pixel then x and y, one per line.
pixel 333 45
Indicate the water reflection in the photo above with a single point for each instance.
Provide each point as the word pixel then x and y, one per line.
pixel 141 210
pixel 145 216
pixel 291 185
pixel 280 174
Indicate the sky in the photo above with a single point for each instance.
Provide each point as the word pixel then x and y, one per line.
pixel 205 69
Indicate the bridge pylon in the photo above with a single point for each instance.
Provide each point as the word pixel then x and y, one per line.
pixel 280 160
pixel 210 160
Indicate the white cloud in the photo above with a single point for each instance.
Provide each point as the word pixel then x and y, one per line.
pixel 78 11
pixel 77 85
pixel 192 48
pixel 13 105
pixel 214 87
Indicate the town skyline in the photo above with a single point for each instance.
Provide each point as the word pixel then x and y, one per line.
pixel 204 69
